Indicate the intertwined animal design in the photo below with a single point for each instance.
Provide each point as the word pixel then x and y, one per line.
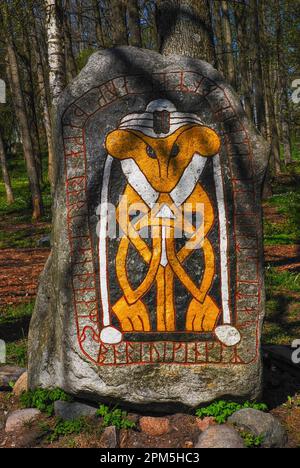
pixel 163 178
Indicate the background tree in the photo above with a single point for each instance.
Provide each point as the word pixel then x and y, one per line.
pixel 45 43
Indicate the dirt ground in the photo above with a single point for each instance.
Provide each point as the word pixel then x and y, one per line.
pixel 19 273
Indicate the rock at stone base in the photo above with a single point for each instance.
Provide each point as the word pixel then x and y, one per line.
pixel 8 375
pixel 17 419
pixel 220 437
pixel 261 424
pixel 154 426
pixel 205 423
pixel 73 410
pixel 21 385
pixel 109 438
pixel 44 242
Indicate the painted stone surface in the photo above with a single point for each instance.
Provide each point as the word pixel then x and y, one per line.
pixel 154 289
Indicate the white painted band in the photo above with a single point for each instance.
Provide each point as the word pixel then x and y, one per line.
pixel 223 239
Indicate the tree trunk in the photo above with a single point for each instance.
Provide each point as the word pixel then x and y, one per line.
pixel 70 62
pixel 31 100
pixel 57 79
pixel 258 67
pixel 283 79
pixel 99 26
pixel 229 62
pixel 275 139
pixel 5 173
pixel 217 31
pixel 134 27
pixel 241 19
pixel 118 22
pixel 185 28
pixel 25 130
pixel 43 95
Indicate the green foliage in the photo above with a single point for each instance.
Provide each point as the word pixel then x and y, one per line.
pixel 114 417
pixel 11 314
pixel 64 428
pixel 252 441
pixel 83 57
pixel 43 399
pixel 222 410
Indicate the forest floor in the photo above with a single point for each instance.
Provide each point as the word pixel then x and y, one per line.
pixel 24 250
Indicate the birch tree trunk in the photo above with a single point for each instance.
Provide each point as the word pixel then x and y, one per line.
pixel 134 27
pixel 5 173
pixel 24 130
pixel 185 28
pixel 54 24
pixel 44 102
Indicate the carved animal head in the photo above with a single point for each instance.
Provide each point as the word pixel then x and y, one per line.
pixel 163 160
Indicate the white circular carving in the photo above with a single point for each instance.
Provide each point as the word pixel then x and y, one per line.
pixel 110 335
pixel 228 335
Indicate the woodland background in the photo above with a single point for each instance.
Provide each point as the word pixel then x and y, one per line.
pixel 255 44
pixel 44 44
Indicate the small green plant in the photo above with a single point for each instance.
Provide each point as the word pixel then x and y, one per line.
pixel 252 441
pixel 43 399
pixel 64 428
pixel 222 410
pixel 114 417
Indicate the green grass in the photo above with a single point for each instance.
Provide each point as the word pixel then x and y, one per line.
pixel 281 280
pixel 287 204
pixel 64 428
pixel 14 321
pixel 21 210
pixel 282 323
pixel 16 353
pixel 11 314
pixel 23 238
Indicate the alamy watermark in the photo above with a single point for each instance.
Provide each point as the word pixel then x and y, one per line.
pixel 137 220
pixel 2 92
pixel 296 92
pixel 296 353
pixel 2 352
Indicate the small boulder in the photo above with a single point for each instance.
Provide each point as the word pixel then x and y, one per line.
pixel 9 375
pixel 73 410
pixel 263 424
pixel 44 242
pixel 19 418
pixel 109 438
pixel 216 437
pixel 21 385
pixel 154 426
